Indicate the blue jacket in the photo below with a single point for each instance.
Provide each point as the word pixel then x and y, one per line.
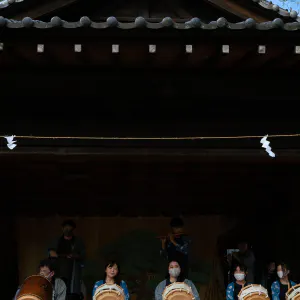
pixel 122 284
pixel 276 289
pixel 230 291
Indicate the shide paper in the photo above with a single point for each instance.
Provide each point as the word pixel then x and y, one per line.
pixel 11 144
pixel 266 144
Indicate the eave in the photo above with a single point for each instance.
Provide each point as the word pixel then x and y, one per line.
pixel 191 44
pixel 259 10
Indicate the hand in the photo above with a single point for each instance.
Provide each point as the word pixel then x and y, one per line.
pixel 163 243
pixel 53 253
pixel 172 239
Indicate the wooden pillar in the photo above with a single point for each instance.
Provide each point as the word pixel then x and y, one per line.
pixel 9 257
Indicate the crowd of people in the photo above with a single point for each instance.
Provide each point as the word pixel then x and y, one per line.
pixel 277 290
pixel 66 257
pixel 242 273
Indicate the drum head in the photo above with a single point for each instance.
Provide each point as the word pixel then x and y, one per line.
pixel 179 295
pixel 107 297
pixel 29 297
pixel 111 295
pixel 256 297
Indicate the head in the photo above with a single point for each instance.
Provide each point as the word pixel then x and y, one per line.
pixel 46 268
pixel 240 273
pixel 243 246
pixel 68 228
pixel 177 225
pixel 175 271
pixel 283 270
pixel 271 266
pixel 112 271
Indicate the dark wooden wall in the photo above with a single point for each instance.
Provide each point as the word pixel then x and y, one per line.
pixel 9 258
pixel 139 103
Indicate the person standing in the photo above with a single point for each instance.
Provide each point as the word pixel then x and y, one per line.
pixel 176 246
pixel 69 253
pixel 269 276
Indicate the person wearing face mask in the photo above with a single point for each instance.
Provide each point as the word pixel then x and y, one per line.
pixel 112 276
pixel 69 252
pixel 283 284
pixel 239 282
pixel 46 269
pixel 174 275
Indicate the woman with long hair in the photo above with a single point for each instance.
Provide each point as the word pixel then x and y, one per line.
pixel 174 275
pixel 283 284
pixel 112 276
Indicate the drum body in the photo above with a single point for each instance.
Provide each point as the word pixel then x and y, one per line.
pixel 253 292
pixel 293 293
pixel 36 287
pixel 109 292
pixel 178 291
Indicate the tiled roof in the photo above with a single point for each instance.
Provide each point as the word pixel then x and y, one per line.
pixel 140 22
pixel 274 7
pixel 5 3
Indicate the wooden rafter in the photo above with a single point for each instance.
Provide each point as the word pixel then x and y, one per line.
pixel 237 9
pixel 105 9
pixel 177 7
pixel 45 8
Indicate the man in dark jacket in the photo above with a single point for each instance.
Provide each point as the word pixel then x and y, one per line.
pixel 69 252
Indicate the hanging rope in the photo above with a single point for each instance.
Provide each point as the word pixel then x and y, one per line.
pixel 175 138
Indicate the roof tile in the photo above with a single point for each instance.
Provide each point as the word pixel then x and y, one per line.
pixel 140 22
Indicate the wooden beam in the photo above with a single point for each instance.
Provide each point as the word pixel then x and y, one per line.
pixel 45 8
pixel 137 153
pixel 177 7
pixel 237 10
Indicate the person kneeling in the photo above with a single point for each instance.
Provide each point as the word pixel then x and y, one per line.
pixel 47 270
pixel 111 276
pixel 234 288
pixel 283 284
pixel 174 276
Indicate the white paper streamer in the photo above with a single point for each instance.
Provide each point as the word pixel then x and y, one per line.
pixel 11 144
pixel 266 145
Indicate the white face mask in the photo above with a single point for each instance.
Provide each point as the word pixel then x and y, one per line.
pixel 174 272
pixel 280 274
pixel 239 276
